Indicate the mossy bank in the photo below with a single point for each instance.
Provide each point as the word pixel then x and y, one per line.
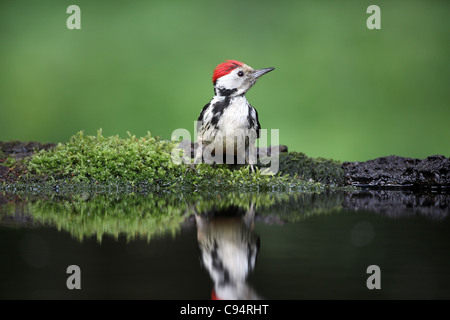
pixel 146 162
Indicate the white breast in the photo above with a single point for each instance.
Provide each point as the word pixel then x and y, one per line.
pixel 234 116
pixel 232 127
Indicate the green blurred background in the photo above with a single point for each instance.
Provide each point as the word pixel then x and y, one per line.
pixel 339 90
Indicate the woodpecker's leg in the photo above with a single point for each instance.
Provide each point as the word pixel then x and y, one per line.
pixel 251 157
pixel 191 167
pixel 198 154
pixel 197 158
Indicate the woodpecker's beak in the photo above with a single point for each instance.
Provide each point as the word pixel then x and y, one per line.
pixel 258 73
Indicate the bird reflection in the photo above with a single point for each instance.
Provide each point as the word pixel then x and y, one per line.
pixel 228 247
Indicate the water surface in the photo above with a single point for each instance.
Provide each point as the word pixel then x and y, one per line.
pixel 241 245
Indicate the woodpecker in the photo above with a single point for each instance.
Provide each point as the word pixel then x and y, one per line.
pixel 228 125
pixel 229 248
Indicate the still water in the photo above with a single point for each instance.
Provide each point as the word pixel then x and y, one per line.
pixel 227 245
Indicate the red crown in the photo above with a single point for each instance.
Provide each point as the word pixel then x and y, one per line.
pixel 225 68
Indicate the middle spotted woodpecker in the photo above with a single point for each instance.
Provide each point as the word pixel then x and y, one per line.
pixel 228 125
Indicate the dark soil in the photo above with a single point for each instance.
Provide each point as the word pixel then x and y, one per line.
pixel 395 171
pixel 18 150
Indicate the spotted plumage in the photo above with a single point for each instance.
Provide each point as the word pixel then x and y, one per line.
pixel 229 248
pixel 228 121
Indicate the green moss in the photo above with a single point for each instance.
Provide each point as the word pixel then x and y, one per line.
pixel 144 162
pixel 9 162
pixel 321 170
pixel 107 159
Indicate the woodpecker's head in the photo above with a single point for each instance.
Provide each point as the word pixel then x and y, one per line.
pixel 234 78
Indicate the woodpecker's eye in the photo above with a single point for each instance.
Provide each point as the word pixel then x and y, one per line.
pixel 240 73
